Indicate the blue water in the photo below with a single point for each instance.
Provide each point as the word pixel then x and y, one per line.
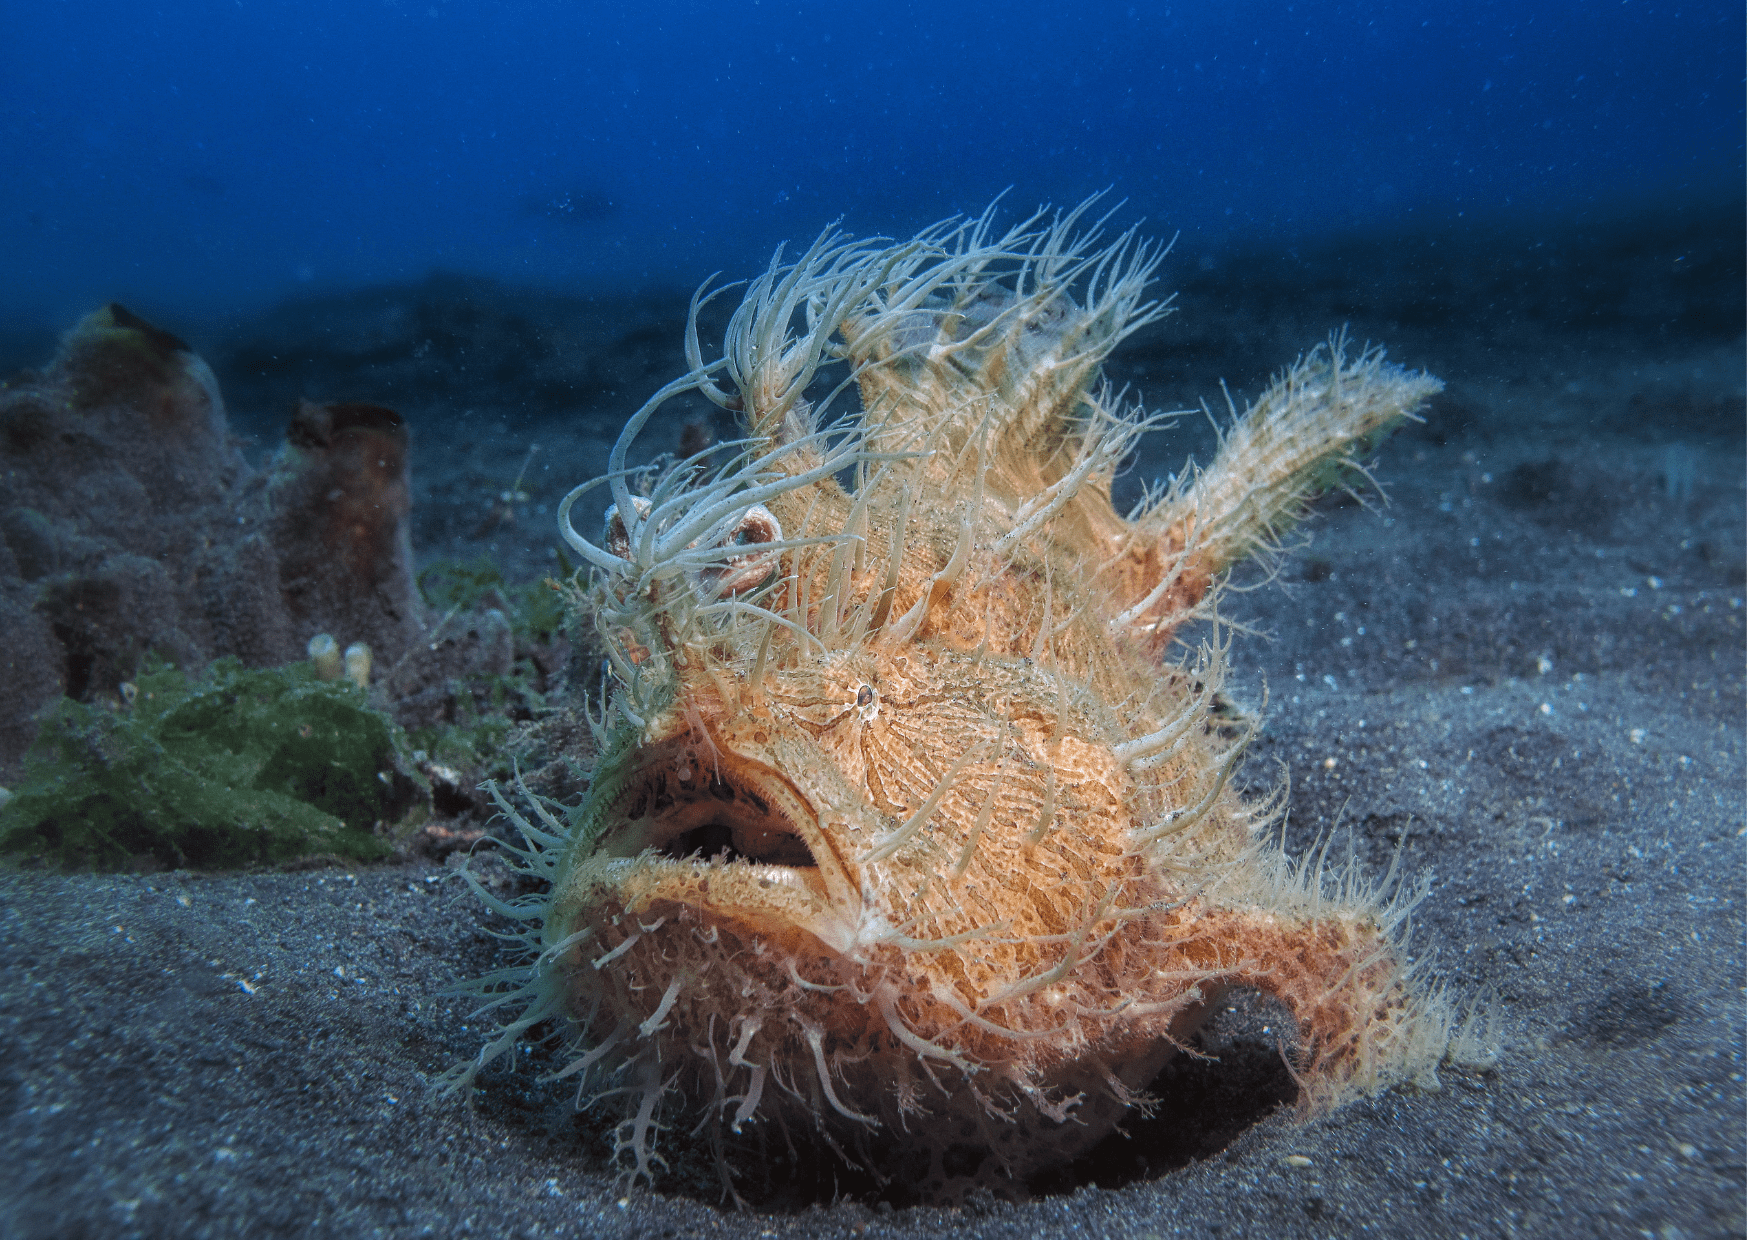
pixel 207 156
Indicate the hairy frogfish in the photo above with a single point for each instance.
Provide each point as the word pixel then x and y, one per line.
pixel 913 833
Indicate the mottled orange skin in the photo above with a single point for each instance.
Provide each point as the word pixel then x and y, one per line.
pixel 891 858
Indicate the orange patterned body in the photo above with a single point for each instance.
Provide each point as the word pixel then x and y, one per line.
pixel 904 829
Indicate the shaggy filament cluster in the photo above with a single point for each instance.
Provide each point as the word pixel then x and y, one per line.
pixel 905 835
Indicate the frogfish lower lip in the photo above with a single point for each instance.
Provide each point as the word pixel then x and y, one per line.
pixel 729 838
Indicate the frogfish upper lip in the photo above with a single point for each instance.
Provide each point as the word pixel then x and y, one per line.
pixel 733 839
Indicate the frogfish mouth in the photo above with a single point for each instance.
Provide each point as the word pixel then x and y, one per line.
pixel 910 835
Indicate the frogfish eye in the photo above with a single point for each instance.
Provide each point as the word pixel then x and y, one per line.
pixel 742 571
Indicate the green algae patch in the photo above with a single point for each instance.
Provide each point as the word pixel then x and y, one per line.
pixel 535 609
pixel 235 768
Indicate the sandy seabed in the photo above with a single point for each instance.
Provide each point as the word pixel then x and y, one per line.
pixel 1525 671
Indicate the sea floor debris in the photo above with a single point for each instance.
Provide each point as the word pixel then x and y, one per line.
pixel 133 530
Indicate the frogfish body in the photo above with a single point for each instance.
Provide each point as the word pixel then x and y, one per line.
pixel 907 836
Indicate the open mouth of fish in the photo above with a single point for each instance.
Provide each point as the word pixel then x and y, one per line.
pixel 729 837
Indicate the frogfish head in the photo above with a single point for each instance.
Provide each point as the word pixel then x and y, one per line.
pixel 905 834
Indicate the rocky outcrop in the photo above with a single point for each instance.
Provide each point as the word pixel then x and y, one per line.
pixel 130 521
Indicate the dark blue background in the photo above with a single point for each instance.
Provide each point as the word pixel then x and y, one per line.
pixel 210 155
